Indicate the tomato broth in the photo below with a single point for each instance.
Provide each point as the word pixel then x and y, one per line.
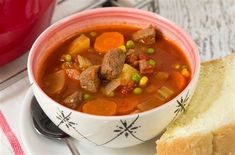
pixel 115 70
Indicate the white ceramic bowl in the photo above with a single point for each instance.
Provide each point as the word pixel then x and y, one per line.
pixel 112 131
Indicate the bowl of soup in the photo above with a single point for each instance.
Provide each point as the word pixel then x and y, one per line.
pixel 113 77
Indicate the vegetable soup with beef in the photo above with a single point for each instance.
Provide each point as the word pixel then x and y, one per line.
pixel 115 70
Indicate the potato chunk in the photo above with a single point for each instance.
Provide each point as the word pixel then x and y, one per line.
pixel 55 82
pixel 78 45
pixel 126 74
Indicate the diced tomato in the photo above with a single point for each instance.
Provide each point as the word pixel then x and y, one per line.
pixel 143 57
pixel 72 73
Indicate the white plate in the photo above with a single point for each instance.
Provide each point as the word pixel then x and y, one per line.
pixel 36 144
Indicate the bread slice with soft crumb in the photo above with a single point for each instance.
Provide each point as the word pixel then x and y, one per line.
pixel 208 125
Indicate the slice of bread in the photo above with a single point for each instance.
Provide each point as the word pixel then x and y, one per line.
pixel 208 125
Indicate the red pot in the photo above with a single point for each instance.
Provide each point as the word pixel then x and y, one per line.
pixel 21 21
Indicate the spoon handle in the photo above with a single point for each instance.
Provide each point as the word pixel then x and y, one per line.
pixel 71 146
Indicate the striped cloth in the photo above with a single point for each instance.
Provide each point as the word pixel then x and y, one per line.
pixel 11 100
pixel 11 138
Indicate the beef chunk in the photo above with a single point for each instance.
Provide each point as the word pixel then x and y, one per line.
pixel 112 64
pixel 145 36
pixel 89 79
pixel 73 101
pixel 144 67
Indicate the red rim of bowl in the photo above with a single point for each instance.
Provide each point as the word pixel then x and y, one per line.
pixel 49 31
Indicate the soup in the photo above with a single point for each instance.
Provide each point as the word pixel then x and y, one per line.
pixel 115 70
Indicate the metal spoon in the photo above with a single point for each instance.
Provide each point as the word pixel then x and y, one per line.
pixel 44 126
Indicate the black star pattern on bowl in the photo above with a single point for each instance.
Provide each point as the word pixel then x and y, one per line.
pixel 124 129
pixel 182 103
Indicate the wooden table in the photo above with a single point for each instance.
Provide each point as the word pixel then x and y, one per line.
pixel 211 23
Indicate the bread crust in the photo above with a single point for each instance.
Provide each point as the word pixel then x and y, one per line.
pixel 219 142
pixel 220 60
pixel 224 140
pixel 197 144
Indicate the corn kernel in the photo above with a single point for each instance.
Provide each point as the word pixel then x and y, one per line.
pixel 184 66
pixel 185 72
pixel 122 47
pixel 68 58
pixel 111 94
pixel 143 81
pixel 93 34
pixel 176 66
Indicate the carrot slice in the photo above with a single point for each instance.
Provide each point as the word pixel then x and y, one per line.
pixel 100 107
pixel 125 106
pixel 108 40
pixel 178 81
